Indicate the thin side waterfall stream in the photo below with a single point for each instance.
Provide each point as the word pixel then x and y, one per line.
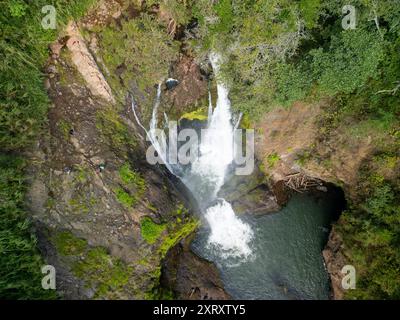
pixel 275 256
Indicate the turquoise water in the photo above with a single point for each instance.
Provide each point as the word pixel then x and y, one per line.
pixel 287 249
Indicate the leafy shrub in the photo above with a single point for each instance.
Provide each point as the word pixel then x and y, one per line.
pixel 292 84
pixel 372 238
pixel 20 262
pixel 350 61
pixel 142 47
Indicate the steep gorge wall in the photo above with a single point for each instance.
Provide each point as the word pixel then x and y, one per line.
pixel 105 218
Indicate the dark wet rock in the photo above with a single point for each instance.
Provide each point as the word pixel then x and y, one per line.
pixel 250 194
pixel 281 192
pixel 171 83
pixel 335 261
pixel 290 292
pixel 191 91
pixel 191 277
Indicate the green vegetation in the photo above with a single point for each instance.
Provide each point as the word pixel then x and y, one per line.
pixel 114 130
pixel 199 114
pixel 23 107
pixel 350 61
pixel 82 174
pixel 165 236
pixel 277 52
pixel 150 230
pixel 102 271
pixel 181 228
pixel 64 127
pixel 69 245
pixel 280 51
pixel 124 197
pixel 177 9
pixel 373 238
pixel 132 178
pixel 140 50
pixel 95 266
pixel 272 159
pixel 178 232
pixel 23 52
pixel 294 50
pixel 133 189
pixel 246 123
pixel 20 262
pixel 371 229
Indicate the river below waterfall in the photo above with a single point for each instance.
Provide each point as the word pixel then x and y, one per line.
pixel 286 260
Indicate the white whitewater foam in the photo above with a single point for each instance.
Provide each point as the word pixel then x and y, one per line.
pixel 229 235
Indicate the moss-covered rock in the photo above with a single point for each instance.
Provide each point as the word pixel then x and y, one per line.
pixel 151 231
pixel 199 114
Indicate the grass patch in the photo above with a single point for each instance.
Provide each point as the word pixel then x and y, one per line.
pixel 132 178
pixel 134 186
pixel 67 244
pixel 124 197
pixel 23 108
pixel 273 159
pixel 20 262
pixel 150 230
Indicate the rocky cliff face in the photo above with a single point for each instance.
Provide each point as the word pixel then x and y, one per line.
pixel 105 218
pixel 189 276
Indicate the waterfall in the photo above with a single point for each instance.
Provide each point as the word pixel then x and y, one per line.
pixel 159 146
pixel 210 108
pixel 154 118
pixel 216 148
pixel 229 235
